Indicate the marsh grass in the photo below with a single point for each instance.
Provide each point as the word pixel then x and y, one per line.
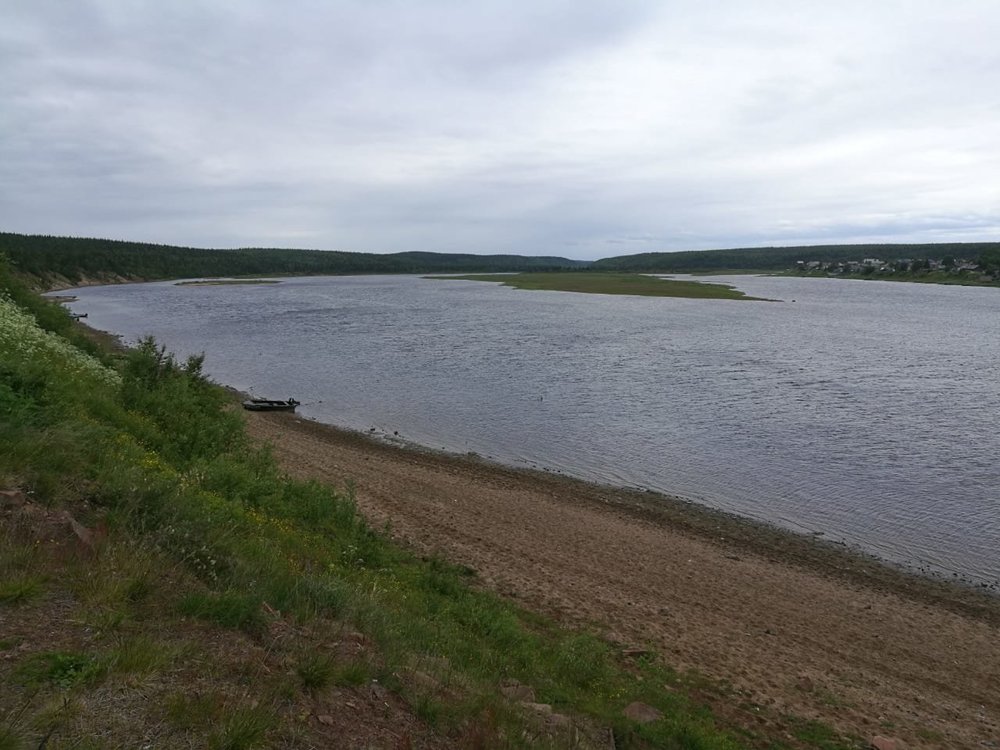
pixel 602 282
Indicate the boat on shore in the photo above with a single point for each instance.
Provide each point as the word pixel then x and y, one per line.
pixel 268 404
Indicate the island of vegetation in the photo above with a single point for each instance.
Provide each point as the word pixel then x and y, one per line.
pixel 226 282
pixel 595 282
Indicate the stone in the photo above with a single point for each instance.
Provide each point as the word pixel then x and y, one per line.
pixel 12 498
pixel 805 684
pixel 325 719
pixel 642 713
pixel 378 691
pixel 887 743
pixel 540 708
pixel 516 691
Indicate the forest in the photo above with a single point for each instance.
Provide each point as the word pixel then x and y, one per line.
pixel 53 260
pixel 74 259
pixel 783 258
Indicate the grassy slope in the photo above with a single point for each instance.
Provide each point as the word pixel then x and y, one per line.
pixel 217 603
pixel 610 283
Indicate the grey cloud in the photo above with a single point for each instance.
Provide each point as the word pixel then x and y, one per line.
pixel 585 128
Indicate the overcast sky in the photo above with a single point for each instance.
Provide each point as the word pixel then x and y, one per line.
pixel 577 128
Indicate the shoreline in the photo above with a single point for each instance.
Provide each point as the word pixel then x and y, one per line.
pixel 799 626
pixel 726 528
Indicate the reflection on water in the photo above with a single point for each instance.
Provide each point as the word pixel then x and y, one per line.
pixel 863 410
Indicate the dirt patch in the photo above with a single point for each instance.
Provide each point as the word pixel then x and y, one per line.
pixel 800 627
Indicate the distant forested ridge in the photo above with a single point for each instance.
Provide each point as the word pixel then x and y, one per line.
pixel 56 259
pixel 53 261
pixel 782 258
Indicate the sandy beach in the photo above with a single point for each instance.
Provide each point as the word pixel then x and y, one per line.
pixel 791 624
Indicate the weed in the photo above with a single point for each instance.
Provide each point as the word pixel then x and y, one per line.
pixel 353 673
pixel 930 735
pixel 140 656
pixel 428 709
pixel 20 590
pixel 315 670
pixel 59 668
pixel 185 711
pixel 230 609
pixel 11 739
pixel 242 729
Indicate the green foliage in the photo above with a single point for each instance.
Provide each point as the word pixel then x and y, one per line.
pixel 12 739
pixel 780 258
pixel 62 669
pixel 315 670
pixel 20 589
pixel 229 609
pixel 242 729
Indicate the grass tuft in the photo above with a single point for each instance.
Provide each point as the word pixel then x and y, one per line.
pixel 315 670
pixel 230 609
pixel 242 729
pixel 19 590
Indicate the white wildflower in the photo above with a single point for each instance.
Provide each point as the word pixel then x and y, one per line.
pixel 22 340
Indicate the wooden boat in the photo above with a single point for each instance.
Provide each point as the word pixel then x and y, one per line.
pixel 268 404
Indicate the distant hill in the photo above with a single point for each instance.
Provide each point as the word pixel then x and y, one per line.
pixel 780 258
pixel 73 260
pixel 53 261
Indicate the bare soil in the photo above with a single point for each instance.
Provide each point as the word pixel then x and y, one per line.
pixel 794 626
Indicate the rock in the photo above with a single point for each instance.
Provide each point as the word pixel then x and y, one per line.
pixel 636 653
pixel 378 691
pixel 517 691
pixel 540 708
pixel 12 498
pixel 642 713
pixel 887 743
pixel 325 719
pixel 805 684
pixel 559 720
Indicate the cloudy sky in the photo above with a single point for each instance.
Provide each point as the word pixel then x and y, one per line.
pixel 579 128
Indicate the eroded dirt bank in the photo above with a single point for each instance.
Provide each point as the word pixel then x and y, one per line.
pixel 794 625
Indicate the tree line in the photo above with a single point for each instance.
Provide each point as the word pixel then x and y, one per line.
pixel 74 259
pixel 781 258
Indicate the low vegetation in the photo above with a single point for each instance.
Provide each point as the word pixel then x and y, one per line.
pixel 163 584
pixel 591 282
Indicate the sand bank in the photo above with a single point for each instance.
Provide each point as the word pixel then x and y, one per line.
pixel 799 626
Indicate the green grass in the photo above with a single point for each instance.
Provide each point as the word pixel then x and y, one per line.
pixel 20 589
pixel 593 282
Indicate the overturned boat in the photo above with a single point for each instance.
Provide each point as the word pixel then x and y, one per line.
pixel 268 404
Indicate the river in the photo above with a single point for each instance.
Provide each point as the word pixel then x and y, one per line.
pixel 862 411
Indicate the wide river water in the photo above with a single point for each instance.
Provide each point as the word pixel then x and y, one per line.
pixel 865 411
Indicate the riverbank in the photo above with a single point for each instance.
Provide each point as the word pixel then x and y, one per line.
pixel 794 626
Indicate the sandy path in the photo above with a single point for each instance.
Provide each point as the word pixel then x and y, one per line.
pixel 800 629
